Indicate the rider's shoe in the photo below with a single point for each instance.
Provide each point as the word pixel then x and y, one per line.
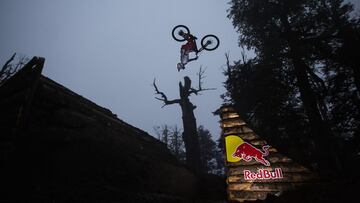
pixel 179 66
pixel 193 59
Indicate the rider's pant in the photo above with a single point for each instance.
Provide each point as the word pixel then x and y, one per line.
pixel 184 56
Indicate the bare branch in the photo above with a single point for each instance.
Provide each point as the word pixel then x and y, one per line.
pixel 228 65
pixel 200 89
pixel 164 97
pixel 227 59
pixel 243 55
pixel 319 81
pixel 21 62
pixel 9 68
pixel 201 76
pixel 7 65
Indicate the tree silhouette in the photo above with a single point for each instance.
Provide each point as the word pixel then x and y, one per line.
pixel 190 135
pixel 10 68
pixel 171 137
pixel 208 150
pixel 306 71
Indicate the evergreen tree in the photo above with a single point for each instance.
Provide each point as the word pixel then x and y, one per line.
pixel 211 157
pixel 207 149
pixel 304 63
pixel 171 137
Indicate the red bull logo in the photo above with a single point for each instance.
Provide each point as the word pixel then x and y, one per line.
pixel 247 152
pixel 237 149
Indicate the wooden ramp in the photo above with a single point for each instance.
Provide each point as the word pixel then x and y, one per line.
pixel 58 146
pixel 252 180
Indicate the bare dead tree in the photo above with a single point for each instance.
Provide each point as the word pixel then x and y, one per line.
pixel 10 68
pixel 189 135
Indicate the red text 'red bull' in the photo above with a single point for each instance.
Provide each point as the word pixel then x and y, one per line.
pixel 263 174
pixel 247 152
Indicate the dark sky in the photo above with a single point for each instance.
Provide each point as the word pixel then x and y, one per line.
pixel 110 51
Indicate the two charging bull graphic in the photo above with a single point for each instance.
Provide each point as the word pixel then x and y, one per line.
pixel 247 152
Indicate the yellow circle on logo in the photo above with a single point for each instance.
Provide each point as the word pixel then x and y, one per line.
pixel 231 143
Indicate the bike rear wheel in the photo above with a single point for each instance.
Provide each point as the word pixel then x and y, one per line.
pixel 176 32
pixel 210 42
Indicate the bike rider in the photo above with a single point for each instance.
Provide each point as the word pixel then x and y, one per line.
pixel 186 49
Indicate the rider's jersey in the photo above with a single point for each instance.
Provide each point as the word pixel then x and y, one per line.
pixel 191 43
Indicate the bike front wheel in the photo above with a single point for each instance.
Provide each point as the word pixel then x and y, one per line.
pixel 210 42
pixel 178 31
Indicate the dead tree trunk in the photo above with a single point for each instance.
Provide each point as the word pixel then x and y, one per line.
pixel 190 135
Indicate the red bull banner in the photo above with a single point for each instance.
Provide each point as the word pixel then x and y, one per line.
pixel 238 150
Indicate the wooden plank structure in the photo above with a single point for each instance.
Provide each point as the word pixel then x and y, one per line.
pixel 16 97
pixel 239 189
pixel 57 146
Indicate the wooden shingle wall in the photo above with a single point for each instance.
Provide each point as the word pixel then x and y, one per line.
pixel 239 189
